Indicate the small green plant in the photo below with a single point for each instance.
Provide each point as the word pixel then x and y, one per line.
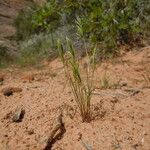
pixel 107 84
pixel 4 56
pixel 81 86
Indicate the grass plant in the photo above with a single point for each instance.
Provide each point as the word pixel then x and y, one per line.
pixel 81 85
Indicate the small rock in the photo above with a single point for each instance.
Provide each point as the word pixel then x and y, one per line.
pixel 10 90
pixel 18 115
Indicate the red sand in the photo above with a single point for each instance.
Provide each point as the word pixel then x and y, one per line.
pixel 122 117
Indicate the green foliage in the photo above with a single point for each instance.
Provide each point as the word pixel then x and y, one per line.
pixel 111 21
pixel 107 23
pixel 144 15
pixel 46 17
pixel 37 19
pixel 81 86
pixel 35 49
pixel 4 56
pixel 23 23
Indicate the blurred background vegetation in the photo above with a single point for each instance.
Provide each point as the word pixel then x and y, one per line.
pixel 106 23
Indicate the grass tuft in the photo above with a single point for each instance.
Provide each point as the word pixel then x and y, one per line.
pixel 107 84
pixel 81 86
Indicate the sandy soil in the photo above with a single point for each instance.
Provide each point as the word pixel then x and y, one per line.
pixel 121 116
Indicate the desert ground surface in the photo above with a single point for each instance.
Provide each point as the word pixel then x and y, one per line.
pixel 121 115
pixel 120 109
